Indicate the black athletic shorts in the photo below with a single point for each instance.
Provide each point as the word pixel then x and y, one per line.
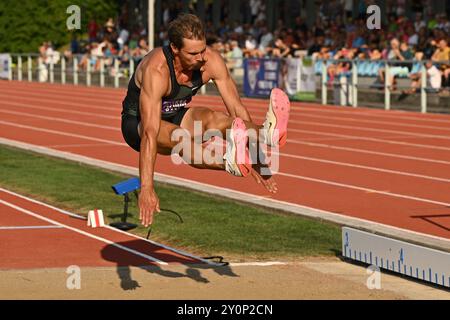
pixel 130 127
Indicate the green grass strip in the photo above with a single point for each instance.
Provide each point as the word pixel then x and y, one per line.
pixel 212 225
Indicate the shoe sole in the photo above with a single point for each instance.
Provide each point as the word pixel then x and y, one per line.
pixel 238 134
pixel 278 116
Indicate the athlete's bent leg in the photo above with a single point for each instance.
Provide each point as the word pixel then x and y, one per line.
pixel 166 144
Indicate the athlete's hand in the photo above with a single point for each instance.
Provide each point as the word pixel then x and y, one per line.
pixel 148 204
pixel 267 181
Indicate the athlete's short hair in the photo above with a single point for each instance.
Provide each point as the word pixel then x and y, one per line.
pixel 186 26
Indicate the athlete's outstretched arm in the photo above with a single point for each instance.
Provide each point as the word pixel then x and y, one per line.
pixel 152 90
pixel 227 87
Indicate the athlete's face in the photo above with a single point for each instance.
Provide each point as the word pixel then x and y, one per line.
pixel 192 54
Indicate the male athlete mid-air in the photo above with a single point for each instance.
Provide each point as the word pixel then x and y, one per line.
pixel 155 106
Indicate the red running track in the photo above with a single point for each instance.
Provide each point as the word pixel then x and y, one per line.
pixel 26 226
pixel 389 167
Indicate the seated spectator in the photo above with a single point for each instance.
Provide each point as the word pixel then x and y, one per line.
pixel 396 53
pixel 234 56
pixel 250 48
pixel 123 37
pixel 434 80
pixel 375 54
pixel 108 51
pixel 279 49
pixel 265 40
pixel 90 57
pixel 318 44
pixel 340 67
pixel 442 53
pixel 125 56
pixel 141 50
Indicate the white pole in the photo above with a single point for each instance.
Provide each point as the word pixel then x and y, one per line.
pixel 324 82
pixel 52 75
pixel 30 74
pixel 75 70
pixel 10 71
pixel 116 73
pixel 344 94
pixel 387 89
pixel 102 73
pixel 151 23
pixel 63 70
pixel 19 66
pixel 88 74
pixel 355 84
pixel 423 92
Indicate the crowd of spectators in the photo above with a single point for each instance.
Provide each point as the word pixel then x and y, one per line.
pixel 339 36
pixel 336 34
pixel 112 41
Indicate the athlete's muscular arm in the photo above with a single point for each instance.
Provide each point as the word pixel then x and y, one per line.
pixel 152 91
pixel 227 87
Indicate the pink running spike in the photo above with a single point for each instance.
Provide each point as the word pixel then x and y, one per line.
pixel 240 139
pixel 277 118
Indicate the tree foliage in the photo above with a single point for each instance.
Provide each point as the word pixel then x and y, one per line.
pixel 25 24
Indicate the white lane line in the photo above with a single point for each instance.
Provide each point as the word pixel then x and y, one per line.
pixel 78 95
pixel 90 114
pixel 30 227
pixel 65 103
pixel 181 252
pixel 393 114
pixel 419 135
pixel 424 146
pixel 383 154
pixel 398 124
pixel 257 264
pixel 350 186
pixel 79 145
pixel 78 123
pixel 403 173
pixel 89 235
pixel 73 135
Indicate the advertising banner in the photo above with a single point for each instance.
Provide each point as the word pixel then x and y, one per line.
pixel 260 76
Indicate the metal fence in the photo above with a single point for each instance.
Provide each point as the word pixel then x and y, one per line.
pixel 111 71
pixel 349 81
pixel 64 70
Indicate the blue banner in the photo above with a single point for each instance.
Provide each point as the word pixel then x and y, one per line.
pixel 261 76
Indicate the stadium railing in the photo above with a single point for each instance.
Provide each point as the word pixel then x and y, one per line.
pixel 370 69
pixel 60 69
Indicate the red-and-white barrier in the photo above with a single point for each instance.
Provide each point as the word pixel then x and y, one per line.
pixel 95 219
